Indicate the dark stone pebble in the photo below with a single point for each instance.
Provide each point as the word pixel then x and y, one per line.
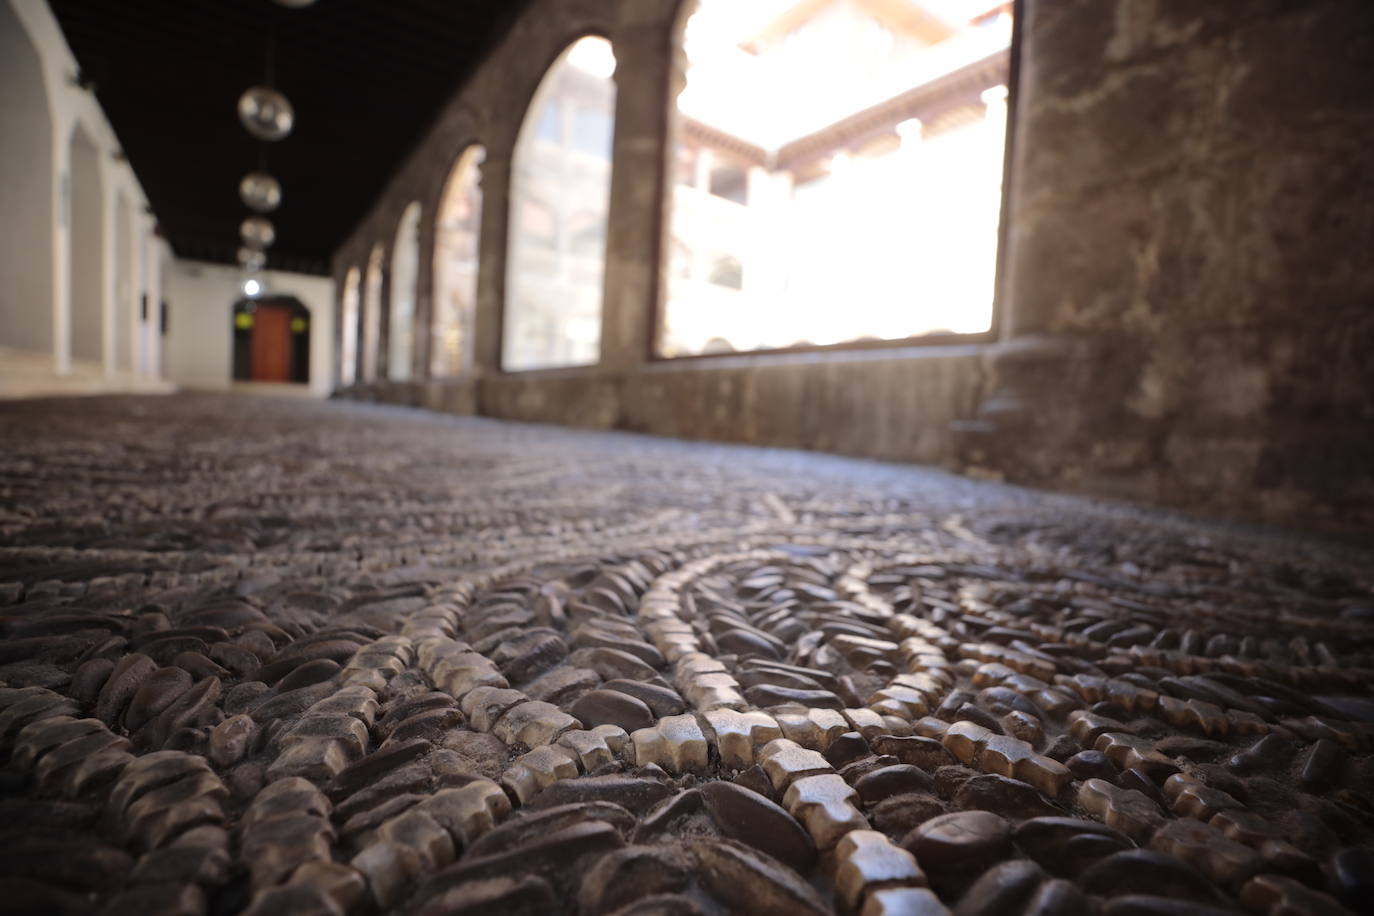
pixel 427 724
pixel 766 695
pixel 1058 897
pixel 611 707
pixel 89 679
pixel 1321 766
pixel 959 843
pixel 1002 889
pixel 1004 795
pixel 290 703
pixel 632 793
pixel 899 815
pixel 321 669
pixel 531 824
pixel 1135 779
pixel 758 822
pixel 1065 846
pixel 361 772
pixel 896 779
pixel 926 753
pixel 159 690
pixel 555 852
pixel 529 655
pixel 1145 871
pixel 529 895
pixel 662 701
pixel 1091 765
pixel 1352 875
pixel 123 682
pixel 632 873
pixel 846 749
pixel 746 881
pixel 1149 905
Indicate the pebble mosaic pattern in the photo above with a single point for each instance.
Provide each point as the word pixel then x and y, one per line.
pixel 271 657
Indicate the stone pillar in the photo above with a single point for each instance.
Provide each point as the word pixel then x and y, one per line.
pixel 384 313
pixel 491 262
pixel 422 336
pixel 642 157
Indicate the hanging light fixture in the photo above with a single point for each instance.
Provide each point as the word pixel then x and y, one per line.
pixel 260 191
pixel 257 232
pixel 252 258
pixel 266 113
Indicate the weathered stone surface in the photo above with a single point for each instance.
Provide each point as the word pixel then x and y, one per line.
pixel 825 806
pixel 869 862
pixel 676 743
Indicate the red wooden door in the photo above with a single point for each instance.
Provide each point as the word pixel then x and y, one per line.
pixel 272 344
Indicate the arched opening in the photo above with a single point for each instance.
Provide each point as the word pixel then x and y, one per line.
pixel 124 285
pixel 348 329
pixel 847 155
pixel 561 166
pixel 372 314
pixel 271 340
pixel 26 254
pixel 87 249
pixel 456 245
pixel 405 270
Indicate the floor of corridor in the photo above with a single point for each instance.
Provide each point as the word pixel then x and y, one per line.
pixel 279 655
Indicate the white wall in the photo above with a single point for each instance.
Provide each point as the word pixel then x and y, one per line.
pixel 67 106
pixel 200 297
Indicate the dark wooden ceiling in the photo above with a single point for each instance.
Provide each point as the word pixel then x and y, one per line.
pixel 366 78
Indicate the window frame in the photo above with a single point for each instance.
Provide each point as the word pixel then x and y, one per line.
pixel 931 343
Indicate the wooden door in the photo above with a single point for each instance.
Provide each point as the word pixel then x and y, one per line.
pixel 272 344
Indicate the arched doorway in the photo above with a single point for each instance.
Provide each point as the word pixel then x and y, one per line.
pixel 87 249
pixel 372 314
pixel 348 329
pixel 271 340
pixel 405 270
pixel 26 269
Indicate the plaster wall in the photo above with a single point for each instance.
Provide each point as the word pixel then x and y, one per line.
pixel 200 299
pixel 1186 296
pixel 43 278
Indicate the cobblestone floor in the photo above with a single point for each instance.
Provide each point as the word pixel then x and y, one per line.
pixel 289 657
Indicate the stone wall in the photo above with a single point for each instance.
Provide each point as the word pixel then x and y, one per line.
pixel 1187 306
pixel 1191 257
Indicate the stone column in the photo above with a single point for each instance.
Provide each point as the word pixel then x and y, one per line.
pixel 422 336
pixel 643 74
pixel 491 262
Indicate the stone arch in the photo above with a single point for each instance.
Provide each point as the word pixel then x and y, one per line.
pixel 405 275
pixel 26 198
pixel 552 310
pixel 87 262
